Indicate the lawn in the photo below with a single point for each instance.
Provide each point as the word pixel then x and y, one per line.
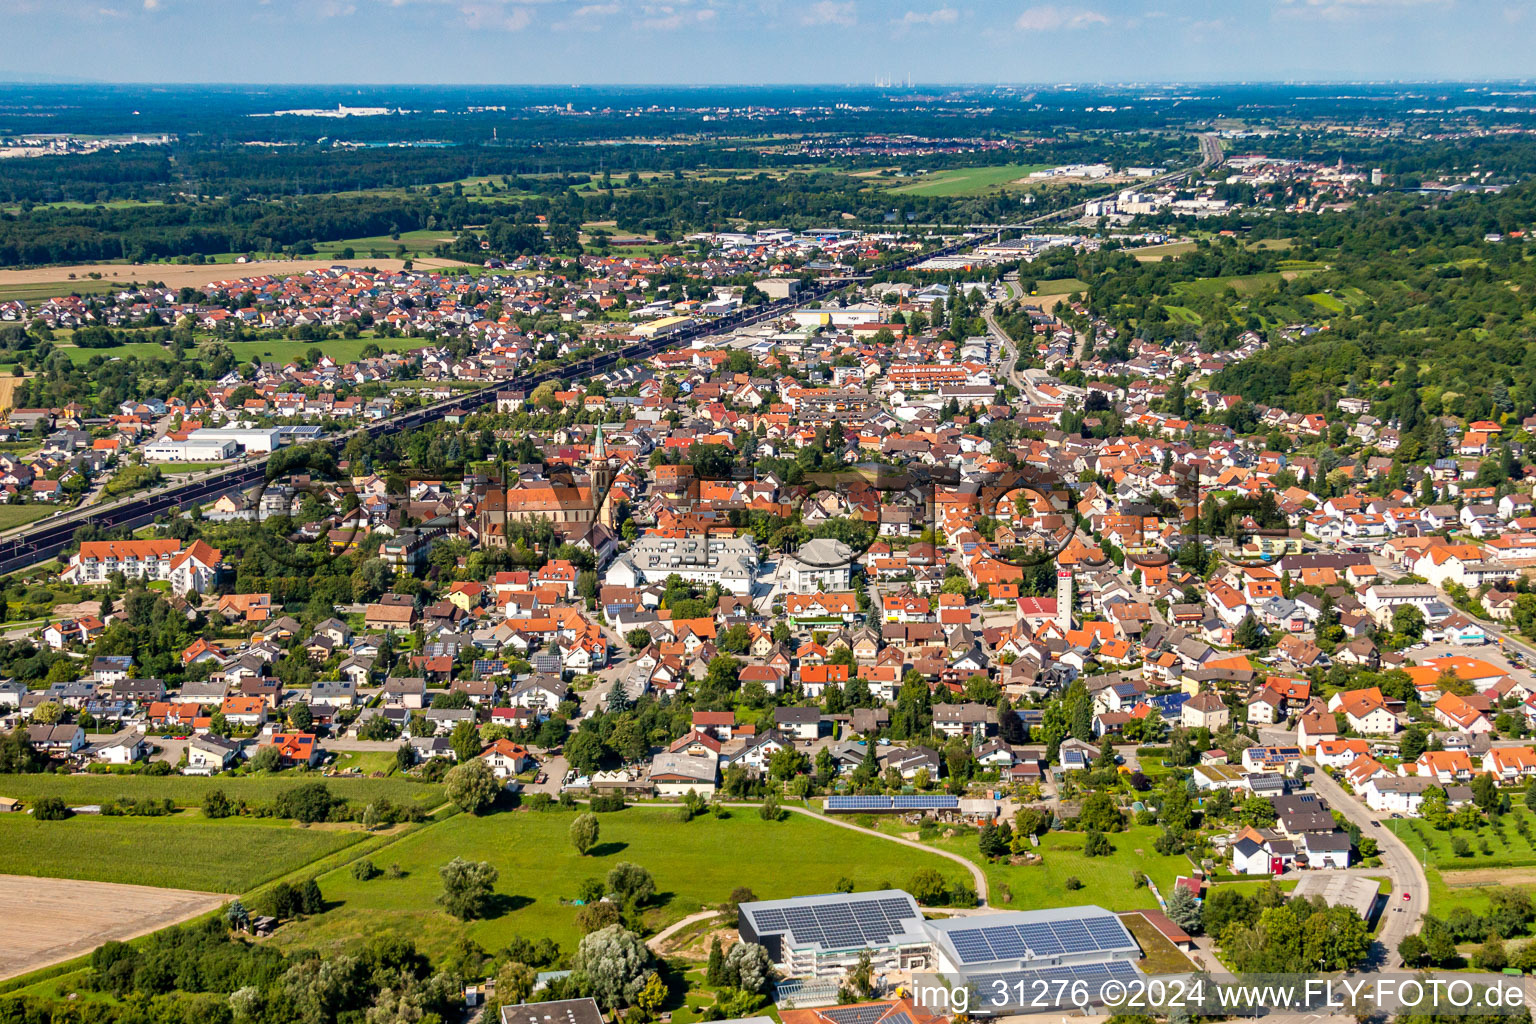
pixel 1107 881
pixel 189 790
pixel 1326 301
pixel 966 181
pixel 12 516
pixel 1433 847
pixel 1060 286
pixel 188 467
pixel 366 761
pixel 185 851
pixel 694 864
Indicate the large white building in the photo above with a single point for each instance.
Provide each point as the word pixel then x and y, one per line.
pixel 730 562
pixel 257 441
pixel 190 570
pixel 823 565
pixel 824 936
pixel 200 450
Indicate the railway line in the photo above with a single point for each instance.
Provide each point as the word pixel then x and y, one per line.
pixel 49 538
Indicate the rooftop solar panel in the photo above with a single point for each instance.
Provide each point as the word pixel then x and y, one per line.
pixel 867 910
pixel 833 914
pixel 898 909
pixel 1000 989
pixel 973 949
pixel 1005 943
pixel 1108 932
pixel 855 1014
pixel 765 921
pixel 897 1018
pixel 1040 939
pixel 1073 936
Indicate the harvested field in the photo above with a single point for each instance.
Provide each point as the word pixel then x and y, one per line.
pixel 176 275
pixel 8 392
pixel 1489 876
pixel 46 920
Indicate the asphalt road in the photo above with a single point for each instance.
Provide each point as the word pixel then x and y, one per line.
pixel 1399 918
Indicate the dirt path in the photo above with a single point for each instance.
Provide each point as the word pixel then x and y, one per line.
pixel 655 941
pixel 46 921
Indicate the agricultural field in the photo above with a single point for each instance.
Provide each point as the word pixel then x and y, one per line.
pixel 416 243
pixel 276 349
pixel 1485 847
pixel 50 921
pixel 1158 253
pixel 694 864
pixel 189 790
pixel 182 851
pixel 966 181
pixel 41 291
pixel 48 282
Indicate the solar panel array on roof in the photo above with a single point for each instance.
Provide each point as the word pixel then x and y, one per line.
pixel 1004 989
pixel 908 802
pixel 837 922
pixel 855 1014
pixel 1069 936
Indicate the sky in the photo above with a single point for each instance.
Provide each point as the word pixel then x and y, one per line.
pixel 748 42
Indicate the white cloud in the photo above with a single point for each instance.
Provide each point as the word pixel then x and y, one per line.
pixel 1342 10
pixel 1049 18
pixel 590 17
pixel 938 16
pixel 670 17
pixel 479 17
pixel 151 5
pixel 829 12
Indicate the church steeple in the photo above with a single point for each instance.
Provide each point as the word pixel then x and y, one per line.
pixel 601 475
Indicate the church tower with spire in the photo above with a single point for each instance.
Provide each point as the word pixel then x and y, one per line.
pixel 601 474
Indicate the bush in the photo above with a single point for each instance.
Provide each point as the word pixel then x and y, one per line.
pixel 539 801
pixel 308 803
pixel 1073 884
pixel 217 805
pixel 395 871
pixel 51 808
pixel 365 869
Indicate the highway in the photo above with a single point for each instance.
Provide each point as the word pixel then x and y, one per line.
pixel 1210 156
pixel 50 537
